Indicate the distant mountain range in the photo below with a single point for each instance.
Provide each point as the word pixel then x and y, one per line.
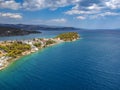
pixel 12 31
pixel 37 27
pixel 23 29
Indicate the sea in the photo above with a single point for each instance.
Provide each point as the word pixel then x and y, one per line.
pixel 90 63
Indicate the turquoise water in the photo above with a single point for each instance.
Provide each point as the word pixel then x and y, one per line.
pixel 91 63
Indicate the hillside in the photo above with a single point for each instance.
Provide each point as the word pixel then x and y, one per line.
pixel 10 31
pixel 37 27
pixel 69 36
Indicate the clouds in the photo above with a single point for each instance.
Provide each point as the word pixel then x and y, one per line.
pixel 78 9
pixel 94 7
pixel 50 21
pixel 108 14
pixel 54 4
pixel 51 4
pixel 36 4
pixel 9 4
pixel 94 10
pixel 11 15
pixel 58 20
pixel 81 17
pixel 78 12
pixel 113 4
pixel 79 6
pixel 82 12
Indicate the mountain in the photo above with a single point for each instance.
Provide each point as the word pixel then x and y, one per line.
pixel 12 31
pixel 37 27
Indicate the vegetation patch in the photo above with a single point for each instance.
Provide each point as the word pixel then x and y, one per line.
pixel 50 42
pixel 70 36
pixel 15 49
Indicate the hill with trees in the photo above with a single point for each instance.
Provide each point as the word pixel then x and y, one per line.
pixel 69 36
pixel 10 31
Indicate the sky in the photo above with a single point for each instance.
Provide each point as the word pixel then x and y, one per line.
pixel 91 14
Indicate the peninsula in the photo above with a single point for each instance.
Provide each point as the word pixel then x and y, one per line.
pixel 13 50
pixel 12 31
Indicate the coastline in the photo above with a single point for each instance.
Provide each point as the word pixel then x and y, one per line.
pixel 14 59
pixel 10 60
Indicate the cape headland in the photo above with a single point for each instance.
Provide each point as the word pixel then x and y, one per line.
pixel 11 31
pixel 13 50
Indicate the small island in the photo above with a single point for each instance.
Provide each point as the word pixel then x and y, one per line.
pixel 13 50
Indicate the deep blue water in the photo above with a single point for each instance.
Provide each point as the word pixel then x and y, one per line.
pixel 91 63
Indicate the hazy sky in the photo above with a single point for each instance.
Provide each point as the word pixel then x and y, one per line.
pixel 76 13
